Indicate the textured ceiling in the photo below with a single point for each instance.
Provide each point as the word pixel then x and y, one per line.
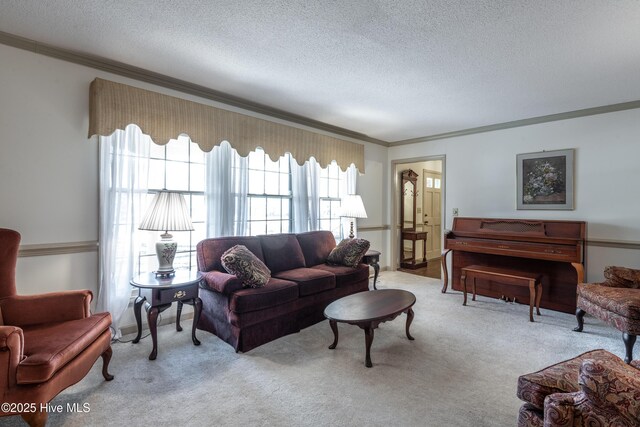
pixel 392 70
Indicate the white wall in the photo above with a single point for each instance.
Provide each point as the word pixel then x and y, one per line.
pixel 49 167
pixel 481 176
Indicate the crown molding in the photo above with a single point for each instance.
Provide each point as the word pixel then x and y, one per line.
pixel 143 75
pixel 524 122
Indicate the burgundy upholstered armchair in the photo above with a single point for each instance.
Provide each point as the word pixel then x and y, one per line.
pixel 594 389
pixel 615 301
pixel 48 342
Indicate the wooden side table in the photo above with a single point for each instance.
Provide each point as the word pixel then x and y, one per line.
pixel 373 259
pixel 158 294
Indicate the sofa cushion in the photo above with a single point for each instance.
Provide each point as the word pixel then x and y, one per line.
pixel 345 276
pixel 209 251
pixel 559 378
pixel 47 348
pixel 310 281
pixel 316 246
pixel 275 292
pixel 246 266
pixel 622 301
pixel 281 252
pixel 349 252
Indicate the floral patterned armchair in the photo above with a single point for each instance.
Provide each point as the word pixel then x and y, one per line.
pixel 615 301
pixel 594 389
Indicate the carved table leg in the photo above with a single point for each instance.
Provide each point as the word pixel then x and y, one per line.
pixel 197 309
pixel 376 270
pixel 473 298
pixel 368 337
pixel 445 278
pixel 334 328
pixel 409 320
pixel 137 308
pixel 152 318
pixel 178 313
pixel 37 418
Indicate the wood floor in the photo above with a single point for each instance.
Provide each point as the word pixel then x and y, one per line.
pixel 431 270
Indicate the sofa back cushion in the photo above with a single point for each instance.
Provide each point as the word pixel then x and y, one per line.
pixel 281 252
pixel 209 251
pixel 316 246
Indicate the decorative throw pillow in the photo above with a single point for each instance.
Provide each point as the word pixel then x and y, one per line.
pixel 349 252
pixel 246 266
pixel 622 277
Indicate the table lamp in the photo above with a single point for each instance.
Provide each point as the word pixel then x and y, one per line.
pixel 352 207
pixel 167 212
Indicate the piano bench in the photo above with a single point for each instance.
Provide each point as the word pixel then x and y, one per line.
pixel 506 277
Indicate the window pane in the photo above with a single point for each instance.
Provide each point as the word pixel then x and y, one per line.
pixel 197 177
pixel 178 150
pixel 284 185
pixel 286 226
pixel 256 159
pixel 286 203
pixel 257 227
pixel 284 164
pixel 196 154
pixel 156 151
pixel 198 208
pixel 271 181
pixel 273 227
pixel 256 182
pixel 177 176
pixel 156 174
pixel 333 188
pixel 270 165
pixel 273 208
pixel 258 208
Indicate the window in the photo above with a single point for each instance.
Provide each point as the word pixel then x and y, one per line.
pixel 176 166
pixel 269 198
pixel 332 185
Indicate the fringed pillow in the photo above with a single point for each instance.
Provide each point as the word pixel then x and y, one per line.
pixel 247 267
pixel 349 252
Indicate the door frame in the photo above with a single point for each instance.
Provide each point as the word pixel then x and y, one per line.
pixel 395 231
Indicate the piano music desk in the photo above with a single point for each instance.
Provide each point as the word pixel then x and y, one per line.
pixel 507 277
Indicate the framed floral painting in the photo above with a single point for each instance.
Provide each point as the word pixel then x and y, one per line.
pixel 545 180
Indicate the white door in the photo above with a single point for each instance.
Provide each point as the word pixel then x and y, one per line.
pixel 431 209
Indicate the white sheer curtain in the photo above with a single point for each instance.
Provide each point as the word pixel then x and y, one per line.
pixel 304 195
pixel 124 158
pixel 226 189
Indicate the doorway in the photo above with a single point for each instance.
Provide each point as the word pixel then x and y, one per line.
pixel 429 213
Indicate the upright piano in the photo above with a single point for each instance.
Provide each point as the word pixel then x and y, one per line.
pixel 555 249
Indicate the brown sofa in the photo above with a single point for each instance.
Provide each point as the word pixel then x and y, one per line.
pixel 300 287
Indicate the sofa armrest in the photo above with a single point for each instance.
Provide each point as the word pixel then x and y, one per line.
pixel 221 282
pixel 559 409
pixel 613 388
pixel 11 353
pixel 24 310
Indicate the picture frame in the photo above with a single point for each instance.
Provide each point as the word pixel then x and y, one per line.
pixel 545 180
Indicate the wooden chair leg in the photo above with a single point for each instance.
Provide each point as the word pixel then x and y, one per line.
pixel 35 419
pixel 106 358
pixel 629 341
pixel 463 279
pixel 538 297
pixel 580 318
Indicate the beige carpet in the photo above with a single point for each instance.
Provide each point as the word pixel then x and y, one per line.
pixel 461 370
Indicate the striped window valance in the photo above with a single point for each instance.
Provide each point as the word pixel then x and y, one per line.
pixel 114 106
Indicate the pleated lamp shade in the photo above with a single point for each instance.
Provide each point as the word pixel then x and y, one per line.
pixel 352 207
pixel 167 212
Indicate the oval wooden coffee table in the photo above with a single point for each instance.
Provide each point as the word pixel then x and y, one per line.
pixel 367 310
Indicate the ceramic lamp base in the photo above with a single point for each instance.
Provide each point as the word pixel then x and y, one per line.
pixel 166 252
